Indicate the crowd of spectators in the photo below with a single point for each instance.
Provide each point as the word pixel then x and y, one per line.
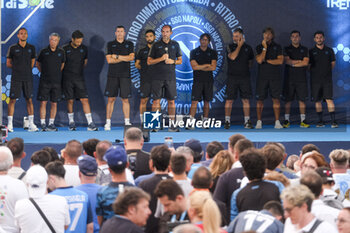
pixel 95 186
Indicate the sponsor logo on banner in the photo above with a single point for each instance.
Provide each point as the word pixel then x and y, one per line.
pixel 340 4
pixel 188 19
pixel 154 120
pixel 25 4
pixel 151 120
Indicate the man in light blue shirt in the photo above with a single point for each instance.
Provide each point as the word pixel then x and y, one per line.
pixel 78 201
pixel 87 174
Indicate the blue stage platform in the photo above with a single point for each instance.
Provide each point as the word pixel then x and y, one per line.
pixel 293 138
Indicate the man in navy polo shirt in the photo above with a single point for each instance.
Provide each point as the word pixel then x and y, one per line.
pixel 163 56
pixel 50 63
pixel 203 61
pixel 146 71
pixel 240 57
pixel 119 54
pixel 322 61
pixel 21 58
pixel 73 79
pixel 296 58
pixel 270 58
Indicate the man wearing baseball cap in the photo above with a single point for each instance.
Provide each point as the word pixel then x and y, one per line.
pixel 117 161
pixel 54 207
pixel 195 145
pixel 87 174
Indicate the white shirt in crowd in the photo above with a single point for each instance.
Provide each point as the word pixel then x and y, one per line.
pixel 185 186
pixel 324 227
pixel 324 212
pixel 11 190
pixel 55 208
pixel 15 172
pixel 72 175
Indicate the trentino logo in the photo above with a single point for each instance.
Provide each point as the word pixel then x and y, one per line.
pixel 25 4
pixel 151 120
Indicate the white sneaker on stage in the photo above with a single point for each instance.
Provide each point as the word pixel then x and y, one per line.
pixel 278 125
pixel 33 128
pixel 10 128
pixel 107 127
pixel 258 124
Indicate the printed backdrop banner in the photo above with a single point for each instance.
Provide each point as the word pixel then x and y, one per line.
pixel 189 19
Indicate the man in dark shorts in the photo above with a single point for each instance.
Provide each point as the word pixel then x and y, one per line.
pixel 145 71
pixel 203 62
pixel 240 57
pixel 21 59
pixel 163 56
pixel 119 54
pixel 296 58
pixel 50 63
pixel 73 79
pixel 322 61
pixel 270 58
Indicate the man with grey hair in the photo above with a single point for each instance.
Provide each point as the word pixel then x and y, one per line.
pixel 189 155
pixel 138 159
pixel 11 190
pixel 50 63
pixel 339 164
pixel 297 202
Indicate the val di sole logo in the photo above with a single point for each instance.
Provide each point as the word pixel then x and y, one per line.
pixel 189 19
pixel 26 4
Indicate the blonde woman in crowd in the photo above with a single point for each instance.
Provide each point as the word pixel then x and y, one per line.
pixel 222 162
pixel 204 213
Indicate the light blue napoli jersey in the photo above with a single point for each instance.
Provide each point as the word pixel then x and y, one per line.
pixel 259 221
pixel 79 208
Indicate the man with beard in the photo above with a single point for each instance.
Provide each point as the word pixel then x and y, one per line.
pixel 203 61
pixel 270 58
pixel 145 71
pixel 21 58
pixel 296 58
pixel 73 79
pixel 240 56
pixel 164 55
pixel 322 61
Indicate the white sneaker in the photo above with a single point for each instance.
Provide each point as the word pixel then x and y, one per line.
pixel 25 123
pixel 107 127
pixel 258 124
pixel 278 125
pixel 10 128
pixel 33 128
pixel 128 124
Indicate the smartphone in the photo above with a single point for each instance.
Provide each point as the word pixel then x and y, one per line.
pixel 168 141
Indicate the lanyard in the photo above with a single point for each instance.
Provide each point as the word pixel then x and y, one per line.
pixel 182 218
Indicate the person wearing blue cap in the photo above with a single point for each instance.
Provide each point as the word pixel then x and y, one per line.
pixel 117 161
pixel 87 174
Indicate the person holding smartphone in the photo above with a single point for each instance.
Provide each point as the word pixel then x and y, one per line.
pixel 240 57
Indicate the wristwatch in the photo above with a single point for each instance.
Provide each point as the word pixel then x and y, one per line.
pixel 264 48
pixel 117 56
